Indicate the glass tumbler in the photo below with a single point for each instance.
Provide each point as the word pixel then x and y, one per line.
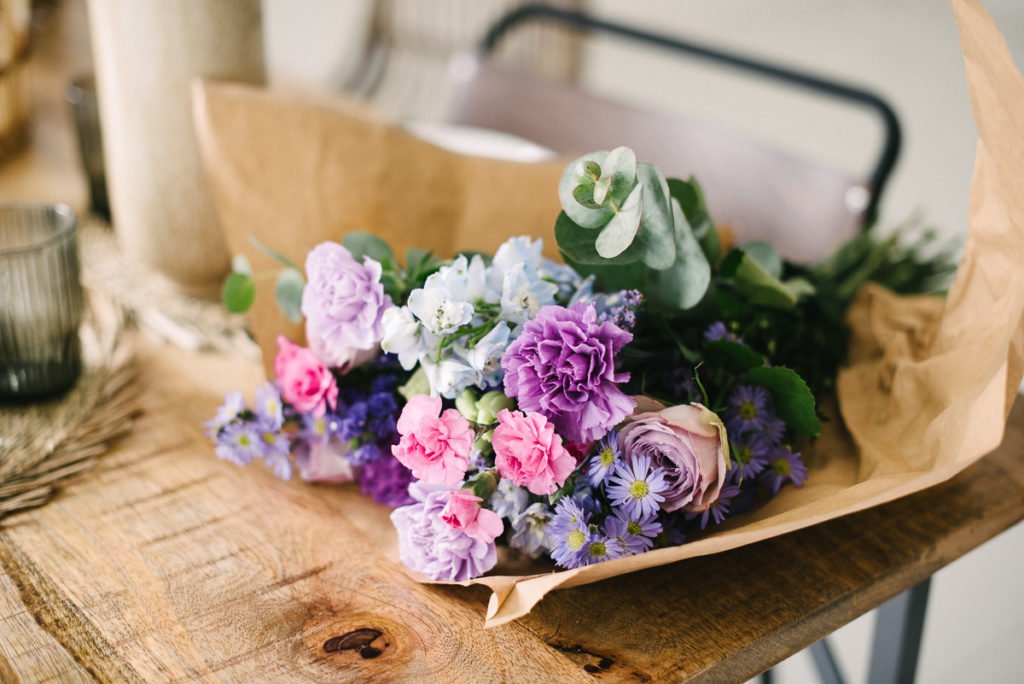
pixel 40 301
pixel 81 95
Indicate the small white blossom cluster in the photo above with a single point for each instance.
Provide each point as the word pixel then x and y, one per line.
pixel 458 325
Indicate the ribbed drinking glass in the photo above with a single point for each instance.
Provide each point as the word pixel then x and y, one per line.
pixel 40 301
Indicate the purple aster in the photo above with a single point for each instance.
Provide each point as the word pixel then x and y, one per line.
pixel 320 429
pixel 635 533
pixel 569 515
pixel 749 456
pixel 233 405
pixel 570 550
pixel 562 366
pixel 717 331
pixel 636 487
pixel 784 466
pixel 601 548
pixel 276 448
pixel 429 545
pixel 719 510
pixel 239 442
pixel 604 461
pixel 268 406
pixel 386 481
pixel 354 420
pixel 773 431
pixel 749 407
pixel 670 535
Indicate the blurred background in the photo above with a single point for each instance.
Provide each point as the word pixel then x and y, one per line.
pixel 396 54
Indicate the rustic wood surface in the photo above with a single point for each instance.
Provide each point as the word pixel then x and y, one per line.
pixel 165 563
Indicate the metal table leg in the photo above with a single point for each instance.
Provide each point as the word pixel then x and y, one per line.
pixel 898 631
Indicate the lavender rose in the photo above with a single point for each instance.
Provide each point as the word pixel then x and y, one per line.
pixel 690 443
pixel 343 304
pixel 562 366
pixel 427 544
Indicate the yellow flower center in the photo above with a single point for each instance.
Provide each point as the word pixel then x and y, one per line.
pixel 633 527
pixel 243 440
pixel 320 426
pixel 781 466
pixel 607 457
pixel 598 549
pixel 742 454
pixel 269 437
pixel 639 489
pixel 748 410
pixel 576 540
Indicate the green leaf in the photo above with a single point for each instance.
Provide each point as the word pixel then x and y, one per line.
pixel 793 399
pixel 288 292
pixel 618 176
pixel 578 245
pixel 760 287
pixel 585 217
pixel 238 293
pixel 417 384
pixel 730 263
pixel 273 254
pixel 366 245
pixel 684 284
pixel 614 277
pixel 691 198
pixel 732 356
pixel 765 255
pixel 563 491
pixel 240 264
pixel 616 237
pixel 657 227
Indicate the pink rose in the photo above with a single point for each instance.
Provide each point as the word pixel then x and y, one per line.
pixel 690 443
pixel 463 512
pixel 305 383
pixel 434 446
pixel 529 452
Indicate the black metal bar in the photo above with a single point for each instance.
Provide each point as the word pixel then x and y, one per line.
pixel 898 630
pixel 825 663
pixel 854 94
pixel 767 677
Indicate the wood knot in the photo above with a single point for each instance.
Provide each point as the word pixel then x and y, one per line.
pixel 359 640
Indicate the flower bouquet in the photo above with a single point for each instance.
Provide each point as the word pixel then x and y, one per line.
pixel 658 382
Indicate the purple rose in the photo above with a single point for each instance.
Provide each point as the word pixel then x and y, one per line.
pixel 429 545
pixel 343 303
pixel 562 366
pixel 689 442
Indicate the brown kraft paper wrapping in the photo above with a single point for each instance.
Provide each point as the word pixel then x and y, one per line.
pixel 930 382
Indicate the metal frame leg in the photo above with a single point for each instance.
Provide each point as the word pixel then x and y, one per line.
pixel 898 631
pixel 825 663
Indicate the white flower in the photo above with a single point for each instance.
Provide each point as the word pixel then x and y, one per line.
pixel 401 335
pixel 530 530
pixel 508 500
pixel 449 376
pixel 523 294
pixel 440 311
pixel 485 357
pixel 517 250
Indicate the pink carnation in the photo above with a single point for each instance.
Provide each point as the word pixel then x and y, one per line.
pixel 463 512
pixel 528 452
pixel 305 383
pixel 434 446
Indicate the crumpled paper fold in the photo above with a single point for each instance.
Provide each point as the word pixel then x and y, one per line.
pixel 930 383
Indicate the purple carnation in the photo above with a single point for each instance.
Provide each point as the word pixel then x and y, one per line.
pixel 562 366
pixel 429 545
pixel 386 481
pixel 343 303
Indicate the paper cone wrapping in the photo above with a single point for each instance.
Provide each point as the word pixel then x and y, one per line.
pixel 930 383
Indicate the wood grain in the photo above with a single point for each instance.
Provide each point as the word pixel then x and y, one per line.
pixel 166 564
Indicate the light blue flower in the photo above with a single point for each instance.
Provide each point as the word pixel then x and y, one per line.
pixel 519 250
pixel 523 293
pixel 485 356
pixel 508 500
pixel 530 535
pixel 440 311
pixel 449 376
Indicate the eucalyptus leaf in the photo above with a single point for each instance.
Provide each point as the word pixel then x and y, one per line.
pixel 690 196
pixel 578 245
pixel 793 399
pixel 684 284
pixel 366 245
pixel 238 293
pixel 657 226
pixel 585 195
pixel 585 217
pixel 619 172
pixel 288 292
pixel 618 235
pixel 765 255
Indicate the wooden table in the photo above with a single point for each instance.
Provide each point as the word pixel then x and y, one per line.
pixel 165 563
